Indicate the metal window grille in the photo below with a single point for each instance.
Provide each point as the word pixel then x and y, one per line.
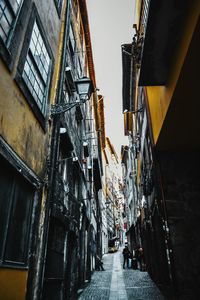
pixel 9 10
pixel 37 68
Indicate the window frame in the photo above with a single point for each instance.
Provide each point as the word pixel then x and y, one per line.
pixel 8 49
pixel 14 163
pixel 7 257
pixel 41 116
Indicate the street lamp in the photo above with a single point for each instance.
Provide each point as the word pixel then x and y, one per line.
pixel 84 88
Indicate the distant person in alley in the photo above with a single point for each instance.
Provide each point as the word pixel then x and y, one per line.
pixel 99 264
pixel 126 253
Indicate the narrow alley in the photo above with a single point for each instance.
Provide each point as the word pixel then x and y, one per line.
pixel 99 149
pixel 116 283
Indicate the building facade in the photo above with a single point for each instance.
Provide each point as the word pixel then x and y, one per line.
pixel 29 38
pixel 161 73
pixel 51 184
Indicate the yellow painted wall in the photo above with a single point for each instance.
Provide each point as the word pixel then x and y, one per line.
pixel 22 131
pixel 18 125
pixel 159 97
pixel 13 284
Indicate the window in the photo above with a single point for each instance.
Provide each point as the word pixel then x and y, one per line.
pixel 37 68
pixel 9 10
pixel 16 201
pixel 13 14
pixel 35 65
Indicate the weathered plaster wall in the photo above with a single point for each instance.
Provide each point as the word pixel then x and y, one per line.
pixel 18 126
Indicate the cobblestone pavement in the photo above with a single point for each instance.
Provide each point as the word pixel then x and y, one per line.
pixel 116 283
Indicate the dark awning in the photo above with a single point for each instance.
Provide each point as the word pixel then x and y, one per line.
pixel 128 78
pixel 163 32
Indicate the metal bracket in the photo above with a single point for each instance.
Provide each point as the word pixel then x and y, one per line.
pixel 63 107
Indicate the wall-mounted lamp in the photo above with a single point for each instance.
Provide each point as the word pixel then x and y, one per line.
pixel 84 88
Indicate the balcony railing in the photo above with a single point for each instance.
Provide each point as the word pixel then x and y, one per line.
pixel 64 199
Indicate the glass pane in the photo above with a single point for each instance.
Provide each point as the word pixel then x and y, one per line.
pixel 45 76
pixel 39 52
pixel 2 34
pixel 40 95
pixel 20 219
pixel 5 22
pixel 5 26
pixel 27 68
pixel 36 87
pixel 33 43
pixel 32 78
pixel 15 5
pixel 35 29
pixel 40 40
pixel 2 7
pixel 8 16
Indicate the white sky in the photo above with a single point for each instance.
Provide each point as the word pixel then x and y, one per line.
pixel 111 24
